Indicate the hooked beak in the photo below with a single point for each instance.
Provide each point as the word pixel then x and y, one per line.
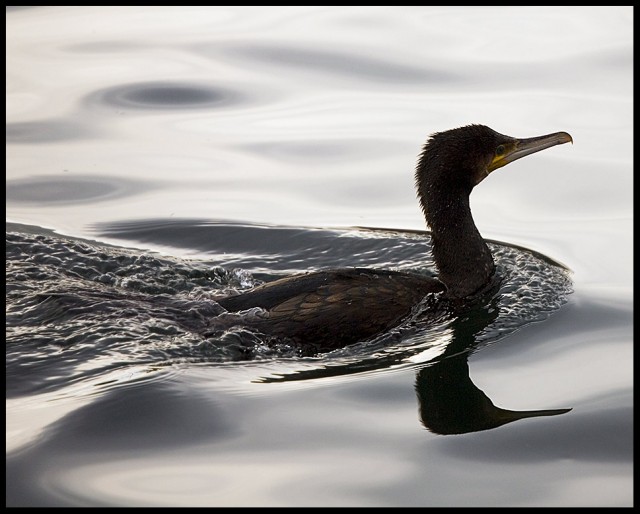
pixel 523 147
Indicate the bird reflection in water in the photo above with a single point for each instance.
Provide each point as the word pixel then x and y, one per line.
pixel 449 402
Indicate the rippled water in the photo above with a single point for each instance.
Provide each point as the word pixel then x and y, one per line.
pixel 69 303
pixel 160 157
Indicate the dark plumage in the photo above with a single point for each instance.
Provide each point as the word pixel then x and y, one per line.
pixel 331 309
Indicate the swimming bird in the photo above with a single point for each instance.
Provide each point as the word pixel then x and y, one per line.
pixel 329 309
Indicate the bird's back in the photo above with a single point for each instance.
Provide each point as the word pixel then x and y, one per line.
pixel 325 310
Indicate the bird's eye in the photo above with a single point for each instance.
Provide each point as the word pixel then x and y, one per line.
pixel 500 150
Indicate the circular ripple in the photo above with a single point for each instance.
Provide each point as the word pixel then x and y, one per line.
pixel 165 96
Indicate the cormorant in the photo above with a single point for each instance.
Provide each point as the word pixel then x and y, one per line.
pixel 330 309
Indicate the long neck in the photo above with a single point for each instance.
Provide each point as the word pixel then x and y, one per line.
pixel 462 257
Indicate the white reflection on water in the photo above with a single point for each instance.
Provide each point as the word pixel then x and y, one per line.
pixel 183 93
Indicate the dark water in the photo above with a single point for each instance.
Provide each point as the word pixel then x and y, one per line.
pixel 160 157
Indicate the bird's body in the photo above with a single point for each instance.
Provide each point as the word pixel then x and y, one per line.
pixel 329 309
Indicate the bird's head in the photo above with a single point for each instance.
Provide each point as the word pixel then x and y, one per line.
pixel 459 159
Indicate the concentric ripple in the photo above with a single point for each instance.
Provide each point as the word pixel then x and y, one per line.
pixel 166 96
